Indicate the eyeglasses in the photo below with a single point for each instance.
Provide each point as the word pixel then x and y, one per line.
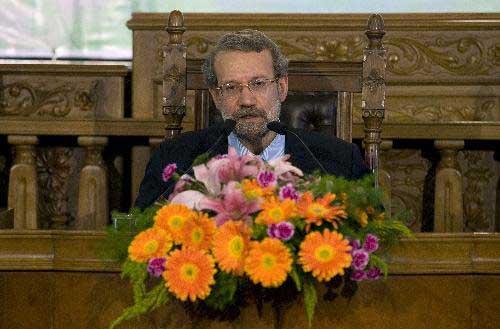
pixel 234 89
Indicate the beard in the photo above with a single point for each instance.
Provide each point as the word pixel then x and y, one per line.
pixel 253 132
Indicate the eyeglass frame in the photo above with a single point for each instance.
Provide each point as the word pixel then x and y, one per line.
pixel 248 84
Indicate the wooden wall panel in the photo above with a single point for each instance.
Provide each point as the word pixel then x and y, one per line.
pixel 83 300
pixel 55 279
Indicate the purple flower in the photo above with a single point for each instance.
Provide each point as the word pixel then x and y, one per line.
pixel 266 178
pixel 374 273
pixel 283 231
pixel 371 243
pixel 168 171
pixel 358 275
pixel 156 266
pixel 359 259
pixel 355 244
pixel 288 192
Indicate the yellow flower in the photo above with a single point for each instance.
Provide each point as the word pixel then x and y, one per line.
pixel 315 211
pixel 172 218
pixel 252 190
pixel 230 246
pixel 189 273
pixel 198 232
pixel 151 243
pixel 268 262
pixel 325 255
pixel 362 217
pixel 275 211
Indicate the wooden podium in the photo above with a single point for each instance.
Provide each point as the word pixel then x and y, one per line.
pixel 56 279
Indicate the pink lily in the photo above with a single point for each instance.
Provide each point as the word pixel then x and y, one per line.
pixel 232 206
pixel 234 167
pixel 284 169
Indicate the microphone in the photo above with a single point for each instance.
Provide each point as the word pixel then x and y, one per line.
pixel 227 128
pixel 277 127
pixel 282 129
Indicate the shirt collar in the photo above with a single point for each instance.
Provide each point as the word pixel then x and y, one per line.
pixel 274 150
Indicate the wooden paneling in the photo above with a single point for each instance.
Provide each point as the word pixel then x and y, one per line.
pixel 55 279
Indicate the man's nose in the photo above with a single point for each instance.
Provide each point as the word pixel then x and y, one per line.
pixel 246 96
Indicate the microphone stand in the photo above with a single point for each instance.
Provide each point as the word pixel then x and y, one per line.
pixel 281 129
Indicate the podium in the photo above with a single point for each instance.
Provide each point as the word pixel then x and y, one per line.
pixel 56 279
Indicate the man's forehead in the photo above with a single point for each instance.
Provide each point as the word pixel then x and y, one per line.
pixel 243 60
pixel 231 54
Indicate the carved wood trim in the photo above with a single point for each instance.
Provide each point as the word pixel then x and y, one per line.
pixel 319 22
pixel 23 189
pixel 448 200
pixel 93 212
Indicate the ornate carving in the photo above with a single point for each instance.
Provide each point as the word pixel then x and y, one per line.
pixel 22 98
pixel 23 189
pixel 174 75
pixel 442 113
pixel 93 155
pixel 464 56
pixel 323 49
pixel 408 172
pixel 494 54
pixel 55 165
pixel 301 47
pixel 373 81
pixel 25 154
pixel 201 45
pixel 479 182
pixel 93 210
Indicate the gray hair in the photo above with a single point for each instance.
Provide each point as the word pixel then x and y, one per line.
pixel 247 41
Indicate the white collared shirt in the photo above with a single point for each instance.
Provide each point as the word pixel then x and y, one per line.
pixel 274 150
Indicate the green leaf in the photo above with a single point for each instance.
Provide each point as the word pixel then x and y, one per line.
pixel 310 299
pixel 201 159
pixel 259 232
pixel 223 291
pixel 119 236
pixel 156 297
pixel 389 231
pixel 137 273
pixel 296 278
pixel 380 263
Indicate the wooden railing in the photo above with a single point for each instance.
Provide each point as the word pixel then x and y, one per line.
pixel 72 148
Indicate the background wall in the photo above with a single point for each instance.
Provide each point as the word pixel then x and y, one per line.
pixel 96 29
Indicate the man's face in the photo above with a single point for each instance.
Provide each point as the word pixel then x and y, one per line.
pixel 251 110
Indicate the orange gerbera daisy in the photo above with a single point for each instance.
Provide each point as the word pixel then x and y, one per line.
pixel 189 273
pixel 325 254
pixel 198 232
pixel 275 211
pixel 172 218
pixel 268 262
pixel 230 246
pixel 315 211
pixel 151 243
pixel 252 190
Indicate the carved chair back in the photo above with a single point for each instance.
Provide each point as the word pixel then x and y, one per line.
pixel 320 97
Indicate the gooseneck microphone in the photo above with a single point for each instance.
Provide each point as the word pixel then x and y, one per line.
pixel 282 129
pixel 227 128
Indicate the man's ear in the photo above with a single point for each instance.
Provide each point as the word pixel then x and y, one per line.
pixel 283 88
pixel 215 96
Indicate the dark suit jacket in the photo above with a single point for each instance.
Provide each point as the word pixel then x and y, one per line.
pixel 338 157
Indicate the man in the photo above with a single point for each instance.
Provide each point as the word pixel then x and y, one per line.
pixel 247 78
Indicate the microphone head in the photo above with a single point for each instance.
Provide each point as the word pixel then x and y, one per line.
pixel 277 127
pixel 228 126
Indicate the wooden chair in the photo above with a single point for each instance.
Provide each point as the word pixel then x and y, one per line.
pixel 320 93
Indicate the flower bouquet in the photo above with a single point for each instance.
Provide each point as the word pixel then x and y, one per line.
pixel 240 224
